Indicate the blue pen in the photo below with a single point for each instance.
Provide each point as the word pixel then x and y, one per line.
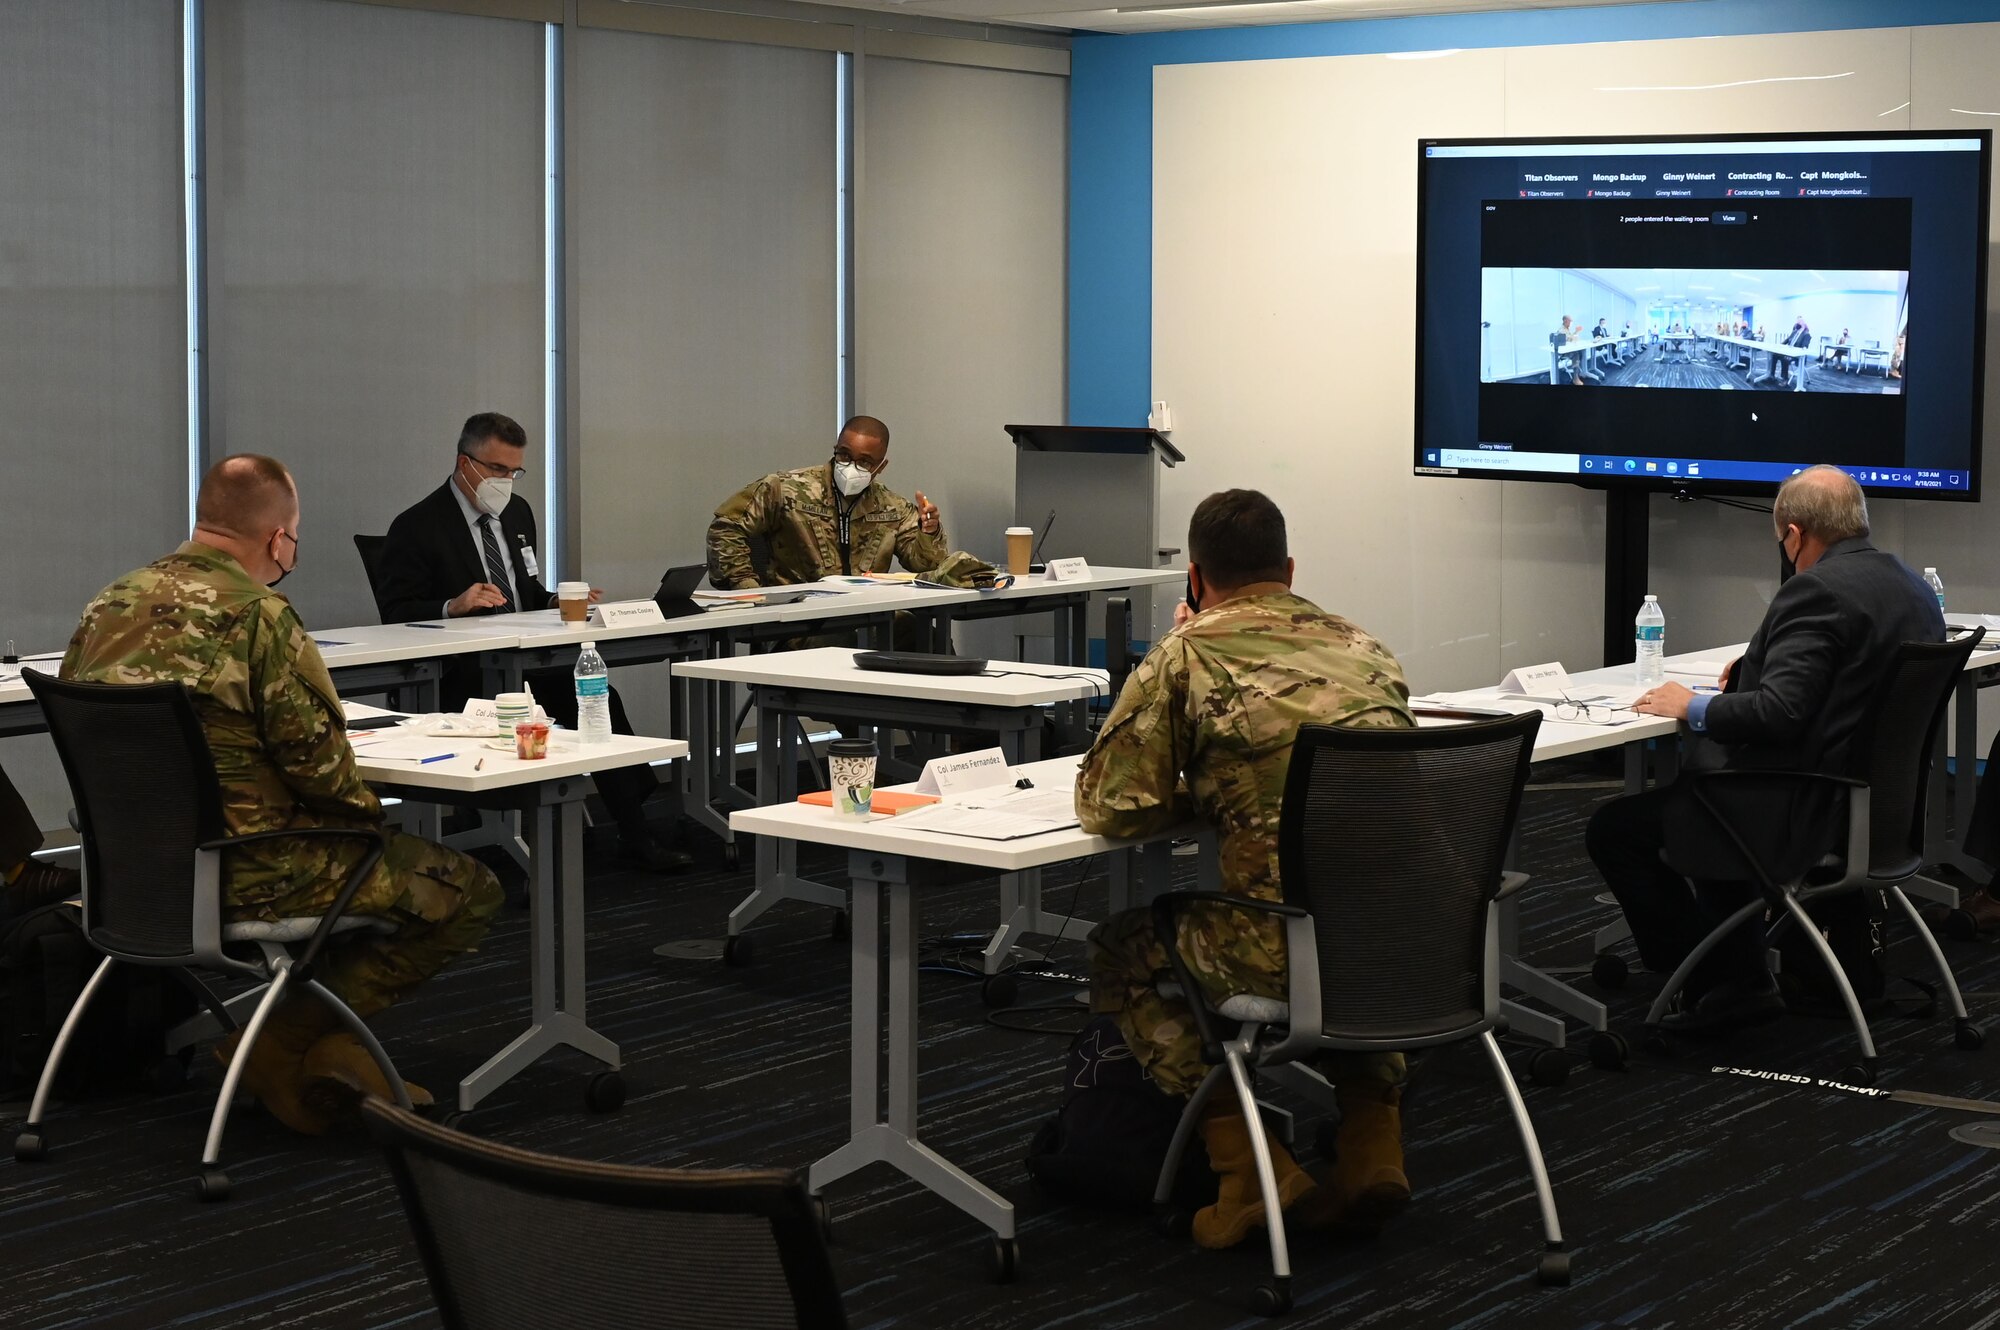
pixel 426 761
pixel 424 625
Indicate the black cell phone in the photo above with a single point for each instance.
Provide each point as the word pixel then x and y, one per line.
pixel 1189 597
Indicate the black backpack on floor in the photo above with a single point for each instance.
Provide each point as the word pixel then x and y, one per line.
pixel 44 963
pixel 1105 1145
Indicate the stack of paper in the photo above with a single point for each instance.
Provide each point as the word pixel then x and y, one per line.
pixel 1001 814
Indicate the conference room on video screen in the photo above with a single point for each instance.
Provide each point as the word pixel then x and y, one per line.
pixel 1727 329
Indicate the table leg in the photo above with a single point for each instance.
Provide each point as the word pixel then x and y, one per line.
pixel 778 860
pixel 556 957
pixel 873 1136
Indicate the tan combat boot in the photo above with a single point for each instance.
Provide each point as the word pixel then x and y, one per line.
pixel 1366 1186
pixel 1239 1204
pixel 275 1070
pixel 340 1072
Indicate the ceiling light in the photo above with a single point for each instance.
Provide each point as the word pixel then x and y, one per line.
pixel 1210 9
pixel 1424 55
pixel 1892 110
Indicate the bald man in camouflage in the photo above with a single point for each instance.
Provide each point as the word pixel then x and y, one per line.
pixel 1218 702
pixel 207 616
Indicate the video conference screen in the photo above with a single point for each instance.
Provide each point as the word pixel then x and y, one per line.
pixel 1713 314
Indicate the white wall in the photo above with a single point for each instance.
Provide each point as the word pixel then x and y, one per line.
pixel 1284 264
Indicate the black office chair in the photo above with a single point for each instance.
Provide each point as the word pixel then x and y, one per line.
pixel 370 550
pixel 513 1240
pixel 1854 835
pixel 1390 850
pixel 149 813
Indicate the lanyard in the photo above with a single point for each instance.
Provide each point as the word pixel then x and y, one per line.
pixel 843 512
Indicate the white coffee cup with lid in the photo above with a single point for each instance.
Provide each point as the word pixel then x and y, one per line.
pixel 574 599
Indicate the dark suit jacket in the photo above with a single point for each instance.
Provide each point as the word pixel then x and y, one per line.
pixel 430 556
pixel 1800 336
pixel 1801 699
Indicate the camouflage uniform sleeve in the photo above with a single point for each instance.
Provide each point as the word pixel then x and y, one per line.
pixel 1129 783
pixel 919 551
pixel 299 722
pixel 751 511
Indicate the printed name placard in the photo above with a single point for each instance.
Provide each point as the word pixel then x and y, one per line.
pixel 481 708
pixel 961 773
pixel 1069 570
pixel 625 613
pixel 1549 681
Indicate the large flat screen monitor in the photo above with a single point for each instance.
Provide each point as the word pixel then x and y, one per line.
pixel 1705 313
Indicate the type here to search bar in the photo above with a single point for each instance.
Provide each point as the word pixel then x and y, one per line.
pixel 1480 459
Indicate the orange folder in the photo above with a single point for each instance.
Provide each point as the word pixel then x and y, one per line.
pixel 885 801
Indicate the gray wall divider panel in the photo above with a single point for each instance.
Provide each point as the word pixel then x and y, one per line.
pixel 93 355
pixel 375 257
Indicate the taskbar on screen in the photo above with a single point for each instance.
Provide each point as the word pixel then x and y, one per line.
pixel 1587 466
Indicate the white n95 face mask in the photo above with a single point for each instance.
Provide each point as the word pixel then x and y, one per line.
pixel 851 477
pixel 493 495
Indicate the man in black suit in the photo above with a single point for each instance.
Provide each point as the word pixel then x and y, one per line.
pixel 1798 700
pixel 468 547
pixel 1800 335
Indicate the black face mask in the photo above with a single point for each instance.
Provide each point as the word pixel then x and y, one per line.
pixel 284 572
pixel 1786 568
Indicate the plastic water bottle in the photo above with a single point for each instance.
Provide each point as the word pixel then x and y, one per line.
pixel 593 697
pixel 1649 642
pixel 1936 584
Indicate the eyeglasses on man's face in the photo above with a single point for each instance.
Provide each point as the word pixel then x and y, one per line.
pixel 495 469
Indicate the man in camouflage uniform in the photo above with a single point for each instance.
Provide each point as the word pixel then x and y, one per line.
pixel 207 616
pixel 824 520
pixel 1218 701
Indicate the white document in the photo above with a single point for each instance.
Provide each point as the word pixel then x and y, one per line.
pixel 962 773
pixel 402 746
pixel 1001 815
pixel 1550 681
pixel 362 711
pixel 1705 669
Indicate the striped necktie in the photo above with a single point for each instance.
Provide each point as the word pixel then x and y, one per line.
pixel 496 563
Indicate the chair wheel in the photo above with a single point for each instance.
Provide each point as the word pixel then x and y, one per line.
pixel 732 856
pixel 212 1185
pixel 842 926
pixel 823 1216
pixel 737 950
pixel 1960 926
pixel 1006 1260
pixel 1861 1073
pixel 1967 1035
pixel 30 1146
pixel 1609 1051
pixel 1553 1269
pixel 1175 1222
pixel 999 990
pixel 1609 970
pixel 1654 1040
pixel 1548 1067
pixel 453 1119
pixel 605 1092
pixel 1272 1299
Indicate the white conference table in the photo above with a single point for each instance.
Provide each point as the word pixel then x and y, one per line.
pixel 1797 354
pixel 897 862
pixel 826 684
pixel 549 794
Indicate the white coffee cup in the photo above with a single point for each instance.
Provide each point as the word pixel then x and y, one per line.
pixel 510 709
pixel 574 599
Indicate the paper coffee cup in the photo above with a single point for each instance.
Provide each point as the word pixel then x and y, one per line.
pixel 1020 549
pixel 574 598
pixel 851 765
pixel 511 709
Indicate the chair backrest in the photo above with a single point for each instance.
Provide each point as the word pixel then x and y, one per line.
pixel 146 798
pixel 1394 840
pixel 370 550
pixel 1901 738
pixel 528 1241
